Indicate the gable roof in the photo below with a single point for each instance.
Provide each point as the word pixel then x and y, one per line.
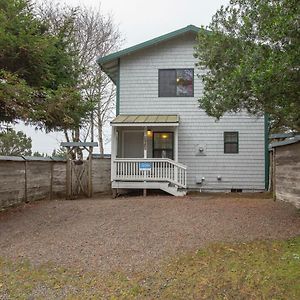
pixel 109 63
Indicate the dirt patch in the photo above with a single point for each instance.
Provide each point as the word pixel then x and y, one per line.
pixel 128 233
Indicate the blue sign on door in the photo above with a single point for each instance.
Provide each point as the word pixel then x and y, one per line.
pixel 145 166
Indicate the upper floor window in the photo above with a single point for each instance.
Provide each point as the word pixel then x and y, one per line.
pixel 231 142
pixel 176 82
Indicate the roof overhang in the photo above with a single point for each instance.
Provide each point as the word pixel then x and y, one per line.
pixel 109 63
pixel 293 140
pixel 145 120
pixel 111 69
pixel 79 144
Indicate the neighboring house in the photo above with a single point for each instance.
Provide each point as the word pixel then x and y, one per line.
pixel 162 139
pixel 285 167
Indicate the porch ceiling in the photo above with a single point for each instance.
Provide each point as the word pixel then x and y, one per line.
pixel 143 120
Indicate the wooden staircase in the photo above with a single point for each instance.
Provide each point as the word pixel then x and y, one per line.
pixel 164 186
pixel 174 190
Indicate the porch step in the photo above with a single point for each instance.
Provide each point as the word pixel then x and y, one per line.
pixel 164 186
pixel 173 190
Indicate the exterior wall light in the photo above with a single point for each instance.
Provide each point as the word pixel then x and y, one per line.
pixel 149 133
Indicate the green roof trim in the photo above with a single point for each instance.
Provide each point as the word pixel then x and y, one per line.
pixel 162 38
pixel 118 90
pixel 267 157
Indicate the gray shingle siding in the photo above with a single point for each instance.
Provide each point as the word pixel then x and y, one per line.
pixel 139 95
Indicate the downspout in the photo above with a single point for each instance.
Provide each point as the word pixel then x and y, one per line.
pixel 118 90
pixel 267 158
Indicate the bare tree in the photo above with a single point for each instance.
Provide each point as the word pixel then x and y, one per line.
pixel 104 110
pixel 95 34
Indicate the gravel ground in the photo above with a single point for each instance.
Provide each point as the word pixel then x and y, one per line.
pixel 128 233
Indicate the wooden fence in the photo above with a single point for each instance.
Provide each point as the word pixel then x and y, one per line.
pixel 26 179
pixel 285 170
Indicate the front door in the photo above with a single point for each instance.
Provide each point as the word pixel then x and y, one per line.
pixel 133 143
pixel 163 144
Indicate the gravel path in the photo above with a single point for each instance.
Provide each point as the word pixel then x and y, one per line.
pixel 128 233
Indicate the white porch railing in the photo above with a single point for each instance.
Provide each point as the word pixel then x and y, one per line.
pixel 157 169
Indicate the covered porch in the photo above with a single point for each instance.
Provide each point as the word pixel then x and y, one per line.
pixel 145 153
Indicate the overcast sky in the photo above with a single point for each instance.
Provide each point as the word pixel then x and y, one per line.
pixel 138 21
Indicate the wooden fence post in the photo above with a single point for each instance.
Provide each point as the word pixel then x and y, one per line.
pixel 68 177
pixel 51 179
pixel 274 173
pixel 25 175
pixel 90 180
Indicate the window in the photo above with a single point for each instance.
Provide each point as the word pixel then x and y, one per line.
pixel 176 82
pixel 163 145
pixel 231 142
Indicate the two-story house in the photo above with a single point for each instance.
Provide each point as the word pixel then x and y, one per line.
pixel 161 139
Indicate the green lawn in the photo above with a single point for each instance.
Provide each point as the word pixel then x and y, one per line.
pixel 256 270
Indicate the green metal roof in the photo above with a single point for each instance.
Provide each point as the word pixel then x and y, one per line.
pixel 143 119
pixel 109 63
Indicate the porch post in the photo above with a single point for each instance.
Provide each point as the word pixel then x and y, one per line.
pixel 176 151
pixel 176 144
pixel 145 155
pixel 145 142
pixel 113 151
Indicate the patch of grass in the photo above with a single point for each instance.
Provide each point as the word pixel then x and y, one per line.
pixel 255 270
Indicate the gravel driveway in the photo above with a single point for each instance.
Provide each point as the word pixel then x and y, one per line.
pixel 127 233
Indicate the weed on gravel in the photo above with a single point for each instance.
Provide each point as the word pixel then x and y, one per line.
pixel 254 270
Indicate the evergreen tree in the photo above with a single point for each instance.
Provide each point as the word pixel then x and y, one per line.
pixel 14 143
pixel 250 58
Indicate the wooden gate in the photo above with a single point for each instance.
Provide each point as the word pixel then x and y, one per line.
pixel 79 171
pixel 78 184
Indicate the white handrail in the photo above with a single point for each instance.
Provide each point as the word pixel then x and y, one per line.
pixel 160 169
pixel 152 159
